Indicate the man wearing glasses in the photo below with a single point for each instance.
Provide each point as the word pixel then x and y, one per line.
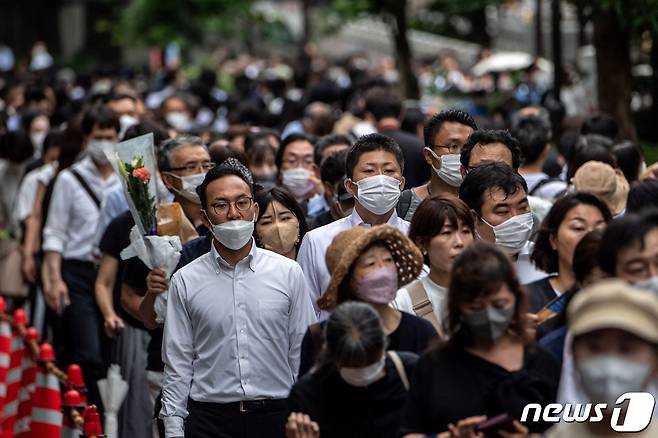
pixel 183 163
pixel 444 136
pixel 235 320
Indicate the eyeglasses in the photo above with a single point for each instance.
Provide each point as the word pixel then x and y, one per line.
pixel 223 207
pixel 191 167
pixel 452 148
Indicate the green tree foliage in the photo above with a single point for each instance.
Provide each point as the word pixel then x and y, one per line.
pixel 158 22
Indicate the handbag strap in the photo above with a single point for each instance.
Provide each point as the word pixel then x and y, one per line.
pixel 400 368
pixel 422 305
pixel 86 188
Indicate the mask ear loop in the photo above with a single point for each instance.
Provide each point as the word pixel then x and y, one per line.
pixel 436 157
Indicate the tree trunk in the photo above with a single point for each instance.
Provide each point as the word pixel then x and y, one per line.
pixel 306 24
pixel 539 35
pixel 613 69
pixel 404 57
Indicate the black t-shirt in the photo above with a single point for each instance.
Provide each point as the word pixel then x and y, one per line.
pixel 135 276
pixel 344 411
pixel 416 171
pixel 450 384
pixel 414 335
pixel 114 240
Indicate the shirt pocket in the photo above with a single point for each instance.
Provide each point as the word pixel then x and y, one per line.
pixel 273 319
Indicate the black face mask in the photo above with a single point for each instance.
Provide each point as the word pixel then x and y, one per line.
pixel 489 323
pixel 265 181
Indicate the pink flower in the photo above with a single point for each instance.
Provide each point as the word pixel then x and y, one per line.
pixel 142 174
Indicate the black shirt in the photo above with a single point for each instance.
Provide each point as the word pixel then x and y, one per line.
pixel 414 335
pixel 324 218
pixel 135 276
pixel 343 411
pixel 539 293
pixel 416 171
pixel 450 384
pixel 115 238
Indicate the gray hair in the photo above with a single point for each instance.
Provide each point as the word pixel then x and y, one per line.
pixel 354 336
pixel 169 146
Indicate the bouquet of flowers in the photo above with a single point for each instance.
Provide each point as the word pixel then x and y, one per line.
pixel 134 161
pixel 137 178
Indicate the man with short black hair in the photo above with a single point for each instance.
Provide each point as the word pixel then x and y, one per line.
pixel 498 197
pixel 70 238
pixel 444 135
pixel 533 134
pixel 374 167
pixel 486 146
pixel 229 368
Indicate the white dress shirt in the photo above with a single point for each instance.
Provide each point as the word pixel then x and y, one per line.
pixel 28 189
pixel 232 333
pixel 72 227
pixel 438 296
pixel 312 252
pixel 526 270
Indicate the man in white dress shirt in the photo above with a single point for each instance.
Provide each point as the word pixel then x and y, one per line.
pixel 374 167
pixel 235 320
pixel 70 237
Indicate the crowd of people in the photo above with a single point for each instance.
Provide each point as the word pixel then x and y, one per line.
pixel 348 269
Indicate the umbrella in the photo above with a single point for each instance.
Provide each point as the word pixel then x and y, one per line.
pixel 113 390
pixel 509 61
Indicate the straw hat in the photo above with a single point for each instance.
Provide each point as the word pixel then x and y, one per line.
pixel 349 245
pixel 604 182
pixel 614 304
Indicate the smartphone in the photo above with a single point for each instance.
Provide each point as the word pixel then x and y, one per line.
pixel 491 426
pixel 553 307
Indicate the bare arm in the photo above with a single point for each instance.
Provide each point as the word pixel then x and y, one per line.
pixel 55 291
pixel 31 240
pixel 104 289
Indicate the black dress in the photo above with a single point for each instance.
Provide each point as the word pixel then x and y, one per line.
pixel 345 411
pixel 413 334
pixel 451 384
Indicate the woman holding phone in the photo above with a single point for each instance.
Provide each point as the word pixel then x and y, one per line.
pixel 489 366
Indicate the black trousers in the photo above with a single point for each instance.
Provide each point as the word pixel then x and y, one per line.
pixel 77 332
pixel 210 420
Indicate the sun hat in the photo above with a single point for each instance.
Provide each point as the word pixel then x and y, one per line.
pixel 614 304
pixel 349 245
pixel 604 182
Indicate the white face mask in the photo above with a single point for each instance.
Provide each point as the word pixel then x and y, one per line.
pixel 378 194
pixel 162 190
pixel 650 284
pixel 37 139
pixel 97 150
pixel 297 180
pixel 606 377
pixel 513 234
pixel 233 234
pixel 126 122
pixel 363 376
pixel 188 186
pixel 450 168
pixel 179 120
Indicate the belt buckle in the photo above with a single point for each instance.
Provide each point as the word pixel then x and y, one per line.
pixel 242 409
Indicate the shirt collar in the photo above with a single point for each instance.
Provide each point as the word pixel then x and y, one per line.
pixel 355 220
pixel 223 264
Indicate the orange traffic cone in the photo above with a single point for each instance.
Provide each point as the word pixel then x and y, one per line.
pixel 5 351
pixel 14 376
pixel 92 428
pixel 46 404
pixel 26 391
